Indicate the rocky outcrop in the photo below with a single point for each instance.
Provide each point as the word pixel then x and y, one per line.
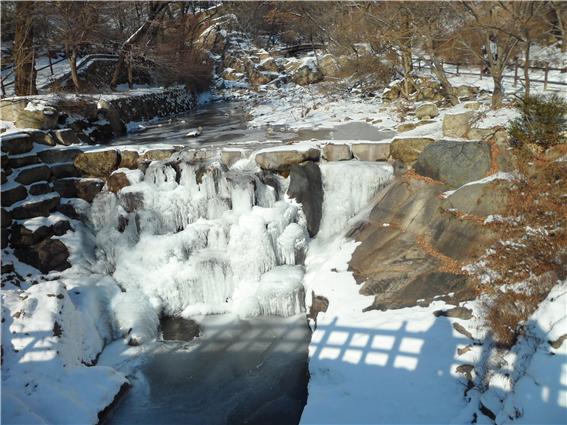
pixel 281 159
pixel 305 185
pixel 453 162
pixel 409 253
pixel 408 149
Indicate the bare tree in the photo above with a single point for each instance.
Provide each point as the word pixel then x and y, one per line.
pixel 24 53
pixel 492 25
pixel 155 10
pixel 559 9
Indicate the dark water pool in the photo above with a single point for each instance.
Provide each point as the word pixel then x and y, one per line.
pixel 237 372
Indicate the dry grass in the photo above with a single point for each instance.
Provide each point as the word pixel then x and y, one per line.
pixel 532 251
pixel 446 264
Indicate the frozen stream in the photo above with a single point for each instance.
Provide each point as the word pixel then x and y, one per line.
pixel 239 371
pixel 224 248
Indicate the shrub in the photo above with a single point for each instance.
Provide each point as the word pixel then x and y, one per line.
pixel 507 313
pixel 542 121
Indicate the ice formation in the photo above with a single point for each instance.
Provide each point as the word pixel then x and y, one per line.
pixel 346 197
pixel 195 238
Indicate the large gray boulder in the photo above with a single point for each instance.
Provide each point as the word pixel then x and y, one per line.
pixel 281 159
pixel 457 125
pixel 306 187
pixel 454 162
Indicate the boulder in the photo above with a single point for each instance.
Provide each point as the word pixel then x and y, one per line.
pixel 329 66
pixel 22 236
pixel 129 159
pixel 97 163
pixel 457 125
pixel 36 207
pixel 337 152
pixel 22 161
pixel 56 155
pixel 231 74
pixel 5 218
pixel 230 156
pixel 306 187
pixel 100 131
pixel 268 64
pixel 42 137
pixel 13 194
pixel 473 105
pixel 454 162
pixel 85 189
pixel 109 112
pixel 158 154
pixel 48 255
pixel 306 74
pixel 40 188
pixel 281 159
pixel 38 115
pixel 131 201
pixel 65 137
pixel 371 151
pixel 117 181
pixel 466 91
pixel 259 78
pixel 407 150
pixel 16 143
pixel 426 111
pixel 33 174
pixel 62 171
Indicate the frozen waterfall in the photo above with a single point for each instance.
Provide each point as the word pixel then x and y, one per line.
pixel 195 238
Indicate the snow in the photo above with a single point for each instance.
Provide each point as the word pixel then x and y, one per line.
pixel 212 241
pixel 500 175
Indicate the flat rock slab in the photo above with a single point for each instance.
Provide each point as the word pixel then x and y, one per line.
pixel 56 155
pixel 454 162
pixel 41 206
pixel 337 152
pixel 13 194
pixel 33 174
pixel 281 159
pixel 458 124
pixel 371 151
pixel 16 143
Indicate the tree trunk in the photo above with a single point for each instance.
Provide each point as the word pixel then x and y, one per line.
pixel 134 38
pixel 498 93
pixel 527 70
pixel 72 55
pixel 23 50
pixel 560 25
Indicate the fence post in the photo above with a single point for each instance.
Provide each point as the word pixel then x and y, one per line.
pixel 515 72
pixel 545 76
pixel 50 63
pixel 457 68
